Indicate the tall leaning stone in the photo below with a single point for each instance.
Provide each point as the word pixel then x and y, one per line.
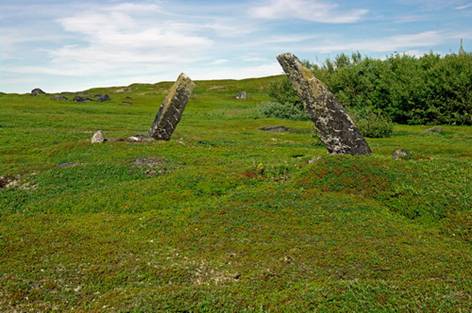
pixel 335 128
pixel 171 110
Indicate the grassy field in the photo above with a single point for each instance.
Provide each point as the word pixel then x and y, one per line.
pixel 225 217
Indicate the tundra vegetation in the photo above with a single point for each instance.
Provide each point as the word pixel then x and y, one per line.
pixel 431 89
pixel 226 217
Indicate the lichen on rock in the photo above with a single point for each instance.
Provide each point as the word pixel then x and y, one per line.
pixel 334 126
pixel 171 110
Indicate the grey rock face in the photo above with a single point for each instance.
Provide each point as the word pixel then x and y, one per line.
pixel 335 128
pixel 37 92
pixel 242 95
pixel 98 137
pixel 171 110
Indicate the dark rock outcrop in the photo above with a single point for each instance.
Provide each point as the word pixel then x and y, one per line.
pixel 81 99
pixel 102 98
pixel 335 128
pixel 37 92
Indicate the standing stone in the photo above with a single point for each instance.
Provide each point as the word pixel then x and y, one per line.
pixel 172 108
pixel 335 128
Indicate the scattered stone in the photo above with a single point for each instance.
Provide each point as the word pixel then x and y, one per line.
pixel 68 164
pixel 5 181
pixel 98 137
pixel 15 182
pixel 435 130
pixel 139 138
pixel 37 92
pixel 401 154
pixel 314 160
pixel 172 108
pixel 121 90
pixel 102 98
pixel 127 100
pixel 242 95
pixel 60 98
pixel 335 128
pixel 152 166
pixel 277 129
pixel 82 99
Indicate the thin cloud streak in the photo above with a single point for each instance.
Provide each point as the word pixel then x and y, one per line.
pixel 310 10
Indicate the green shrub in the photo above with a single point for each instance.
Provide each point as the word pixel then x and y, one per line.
pixel 431 89
pixel 373 124
pixel 286 104
pixel 283 110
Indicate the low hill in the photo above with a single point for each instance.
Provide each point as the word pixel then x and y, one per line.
pixel 225 217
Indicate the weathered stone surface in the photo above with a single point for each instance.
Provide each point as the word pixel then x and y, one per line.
pixel 242 95
pixel 37 92
pixel 277 129
pixel 171 110
pixel 98 137
pixel 401 154
pixel 335 128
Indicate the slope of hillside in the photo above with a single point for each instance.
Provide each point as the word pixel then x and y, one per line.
pixel 225 217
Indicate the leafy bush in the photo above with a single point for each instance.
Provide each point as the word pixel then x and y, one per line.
pixel 373 124
pixel 431 89
pixel 286 104
pixel 283 110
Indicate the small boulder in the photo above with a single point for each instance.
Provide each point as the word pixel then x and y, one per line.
pixel 68 165
pixel 401 154
pixel 102 98
pixel 60 98
pixel 37 92
pixel 98 137
pixel 277 129
pixel 139 138
pixel 9 181
pixel 242 95
pixel 81 99
pixel 434 130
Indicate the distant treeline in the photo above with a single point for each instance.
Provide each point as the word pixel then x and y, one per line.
pixel 431 89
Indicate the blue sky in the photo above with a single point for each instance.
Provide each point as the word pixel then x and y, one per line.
pixel 74 45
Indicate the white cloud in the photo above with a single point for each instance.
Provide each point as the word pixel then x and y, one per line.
pixel 388 44
pixel 310 10
pixel 464 6
pixel 120 38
